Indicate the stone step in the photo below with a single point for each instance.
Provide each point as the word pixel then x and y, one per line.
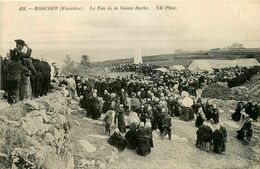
pixel 87 146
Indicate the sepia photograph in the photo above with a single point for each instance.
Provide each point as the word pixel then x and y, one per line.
pixel 123 84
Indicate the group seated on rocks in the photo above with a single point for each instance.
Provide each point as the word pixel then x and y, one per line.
pixel 138 138
pixel 246 110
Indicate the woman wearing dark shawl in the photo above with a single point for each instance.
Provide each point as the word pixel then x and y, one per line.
pixel 131 137
pixel 117 140
pixel 218 139
pixel 246 132
pixel 237 115
pixel 200 117
pixel 224 131
pixel 204 135
pixel 94 107
pixel 143 141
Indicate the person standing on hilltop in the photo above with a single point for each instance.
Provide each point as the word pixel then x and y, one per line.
pixel 23 52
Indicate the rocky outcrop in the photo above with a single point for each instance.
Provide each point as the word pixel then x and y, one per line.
pixel 36 134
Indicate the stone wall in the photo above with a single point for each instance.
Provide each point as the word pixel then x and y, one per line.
pixel 36 134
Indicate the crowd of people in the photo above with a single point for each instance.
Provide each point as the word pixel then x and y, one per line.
pixel 148 99
pixel 138 68
pixel 234 76
pixel 149 103
pixel 22 76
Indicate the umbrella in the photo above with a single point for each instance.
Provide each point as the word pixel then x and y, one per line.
pixel 162 69
pixel 177 67
pixel 187 102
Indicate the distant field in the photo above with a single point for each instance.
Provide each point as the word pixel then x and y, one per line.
pixel 186 58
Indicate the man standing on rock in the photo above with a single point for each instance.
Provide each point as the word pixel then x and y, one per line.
pixel 23 52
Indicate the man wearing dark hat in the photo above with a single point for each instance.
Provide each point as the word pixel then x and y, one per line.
pixel 23 52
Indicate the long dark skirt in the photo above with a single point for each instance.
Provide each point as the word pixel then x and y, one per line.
pixel 187 114
pixel 143 145
pixel 131 139
pixel 121 123
pixel 236 116
pixel 199 121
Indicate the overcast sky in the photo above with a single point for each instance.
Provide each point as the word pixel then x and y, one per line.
pixel 195 25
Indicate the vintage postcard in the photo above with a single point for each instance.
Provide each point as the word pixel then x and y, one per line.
pixel 129 84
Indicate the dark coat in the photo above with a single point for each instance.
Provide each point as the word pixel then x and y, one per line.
pixel 187 114
pixel 94 108
pixel 28 63
pixel 37 65
pixel 245 132
pixel 199 121
pixel 13 69
pixel 117 141
pixel 236 116
pixel 204 134
pixel 166 121
pixel 131 137
pixel 143 141
pixel 218 141
pixel 121 121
